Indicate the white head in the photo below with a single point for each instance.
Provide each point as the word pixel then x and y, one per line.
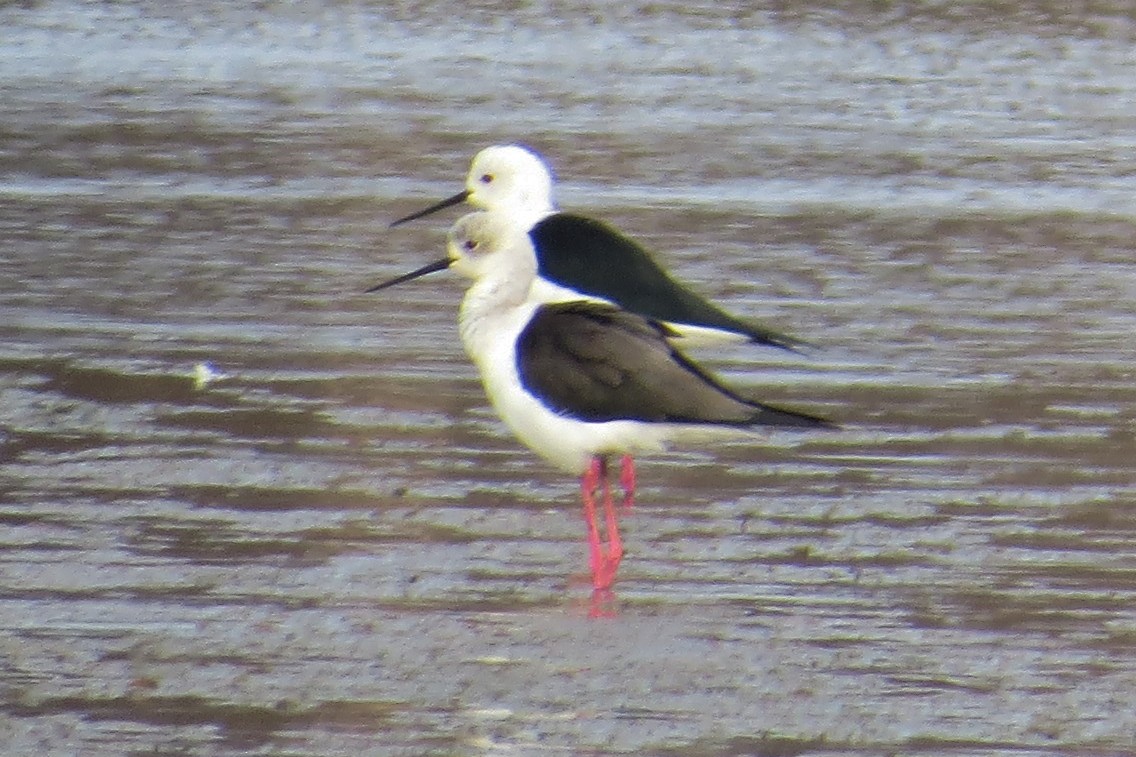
pixel 491 249
pixel 512 180
pixel 489 245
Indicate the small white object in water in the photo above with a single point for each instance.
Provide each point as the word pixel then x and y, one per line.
pixel 205 374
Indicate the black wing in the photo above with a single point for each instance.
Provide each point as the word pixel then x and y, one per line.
pixel 594 362
pixel 593 258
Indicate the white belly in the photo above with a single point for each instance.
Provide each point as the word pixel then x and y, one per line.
pixel 566 443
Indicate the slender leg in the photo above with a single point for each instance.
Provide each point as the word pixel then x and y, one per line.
pixel 614 543
pixel 604 562
pixel 627 480
pixel 589 482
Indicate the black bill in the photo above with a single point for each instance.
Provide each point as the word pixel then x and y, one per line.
pixel 437 265
pixel 448 202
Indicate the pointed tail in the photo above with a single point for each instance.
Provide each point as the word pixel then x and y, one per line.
pixel 767 415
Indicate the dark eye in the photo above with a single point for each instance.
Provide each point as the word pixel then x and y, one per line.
pixel 486 178
pixel 470 245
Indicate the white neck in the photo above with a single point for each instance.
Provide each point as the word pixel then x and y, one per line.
pixel 525 216
pixel 488 303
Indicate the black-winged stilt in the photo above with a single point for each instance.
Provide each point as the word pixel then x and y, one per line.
pixel 581 381
pixel 578 257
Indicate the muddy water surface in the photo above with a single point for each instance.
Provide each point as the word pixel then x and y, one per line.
pixel 334 548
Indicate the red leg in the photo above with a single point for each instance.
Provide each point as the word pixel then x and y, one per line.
pixel 627 480
pixel 614 543
pixel 604 562
pixel 588 485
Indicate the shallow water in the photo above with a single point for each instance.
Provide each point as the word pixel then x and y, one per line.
pixel 334 548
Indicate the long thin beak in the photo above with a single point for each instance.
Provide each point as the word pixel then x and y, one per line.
pixel 459 197
pixel 437 265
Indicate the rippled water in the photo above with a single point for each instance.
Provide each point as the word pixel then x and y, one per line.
pixel 334 547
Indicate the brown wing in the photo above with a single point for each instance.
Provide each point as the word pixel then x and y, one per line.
pixel 594 362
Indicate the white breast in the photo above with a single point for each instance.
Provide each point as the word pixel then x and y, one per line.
pixel 490 335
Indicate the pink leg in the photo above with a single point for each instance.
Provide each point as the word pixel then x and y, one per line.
pixel 615 544
pixel 604 562
pixel 627 480
pixel 588 485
